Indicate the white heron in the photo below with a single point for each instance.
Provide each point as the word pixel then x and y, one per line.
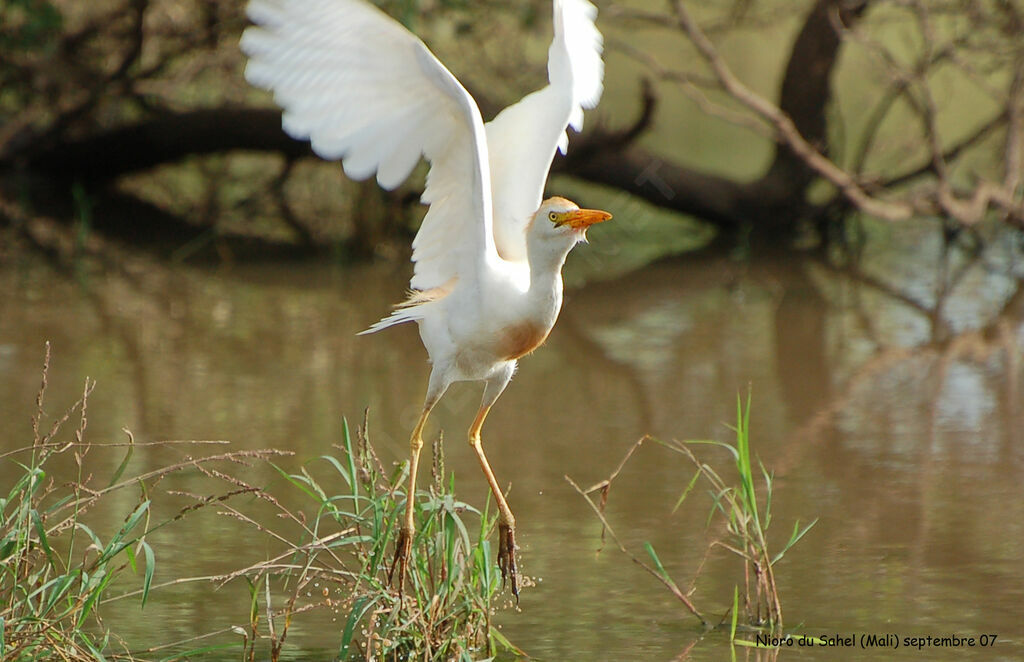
pixel 487 283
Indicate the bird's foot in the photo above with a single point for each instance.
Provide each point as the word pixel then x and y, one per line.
pixel 403 548
pixel 507 558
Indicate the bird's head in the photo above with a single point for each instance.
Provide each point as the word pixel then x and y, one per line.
pixel 560 220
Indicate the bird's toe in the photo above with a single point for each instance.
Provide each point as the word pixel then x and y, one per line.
pixel 507 558
pixel 403 549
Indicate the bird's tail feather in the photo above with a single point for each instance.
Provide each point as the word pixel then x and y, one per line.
pixel 414 307
pixel 399 316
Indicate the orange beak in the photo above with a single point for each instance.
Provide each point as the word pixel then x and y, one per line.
pixel 581 219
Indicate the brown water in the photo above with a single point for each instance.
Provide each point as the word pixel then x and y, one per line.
pixel 899 431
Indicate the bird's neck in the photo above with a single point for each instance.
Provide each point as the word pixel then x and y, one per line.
pixel 546 273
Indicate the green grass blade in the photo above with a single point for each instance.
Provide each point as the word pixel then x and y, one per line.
pixel 503 641
pixel 118 542
pixel 92 536
pixel 354 482
pixel 147 580
pixel 769 481
pixel 130 553
pixel 743 464
pixel 254 598
pixel 350 540
pixel 452 512
pixel 41 532
pixel 59 503
pixel 132 521
pixel 452 571
pixel 124 463
pixel 60 586
pixel 797 534
pixel 342 471
pixel 686 492
pixel 735 612
pixel 359 608
pixel 96 590
pixel 657 562
pixel 95 652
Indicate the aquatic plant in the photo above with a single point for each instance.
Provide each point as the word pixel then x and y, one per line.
pixel 444 610
pixel 739 511
pixel 58 566
pixel 54 569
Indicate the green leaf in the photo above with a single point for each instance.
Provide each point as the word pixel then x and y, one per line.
pixel 60 585
pixel 657 561
pixel 359 608
pixel 350 540
pixel 689 486
pixel 130 553
pixel 92 536
pixel 797 534
pixel 735 612
pixel 769 479
pixel 57 505
pixel 451 509
pixel 124 463
pixel 354 482
pixel 134 519
pixel 147 580
pixel 340 469
pixel 41 532
pixel 502 640
pixel 96 590
pixel 254 598
pixel 743 464
pixel 118 542
pixel 92 647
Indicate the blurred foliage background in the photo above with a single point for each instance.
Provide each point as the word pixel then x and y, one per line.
pixel 767 125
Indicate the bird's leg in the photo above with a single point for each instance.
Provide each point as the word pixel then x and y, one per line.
pixel 506 521
pixel 403 547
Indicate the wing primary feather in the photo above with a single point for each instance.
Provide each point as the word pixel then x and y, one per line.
pixel 365 90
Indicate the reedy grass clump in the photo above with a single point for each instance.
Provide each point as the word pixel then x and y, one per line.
pixel 746 522
pixel 54 569
pixel 741 513
pixel 444 611
pixel 57 569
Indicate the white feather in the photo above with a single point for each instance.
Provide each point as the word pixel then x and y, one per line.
pixel 522 139
pixel 365 90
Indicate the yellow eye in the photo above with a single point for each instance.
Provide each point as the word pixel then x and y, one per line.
pixel 552 216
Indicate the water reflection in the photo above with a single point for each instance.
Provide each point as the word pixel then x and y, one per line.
pixel 888 406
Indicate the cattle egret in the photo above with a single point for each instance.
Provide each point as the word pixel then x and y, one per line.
pixel 487 282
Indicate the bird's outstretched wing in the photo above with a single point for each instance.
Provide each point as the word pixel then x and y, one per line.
pixel 522 139
pixel 365 90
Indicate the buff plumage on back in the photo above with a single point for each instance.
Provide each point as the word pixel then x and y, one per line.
pixel 365 90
